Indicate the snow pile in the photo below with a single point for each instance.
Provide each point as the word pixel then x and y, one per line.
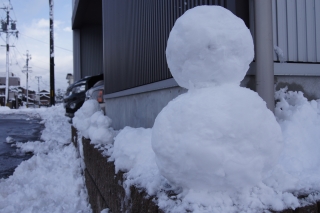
pixel 53 124
pixel 300 123
pixel 203 52
pixel 4 109
pixel 90 121
pixel 133 154
pixel 10 139
pixel 51 180
pixel 46 183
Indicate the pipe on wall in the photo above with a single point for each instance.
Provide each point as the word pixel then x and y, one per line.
pixel 264 51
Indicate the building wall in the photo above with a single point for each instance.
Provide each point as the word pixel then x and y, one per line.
pixel 87 51
pixel 91 50
pixel 296 29
pixel 13 81
pixel 133 41
pixel 139 110
pixel 135 36
pixel 76 55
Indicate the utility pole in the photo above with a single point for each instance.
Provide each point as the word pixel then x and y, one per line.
pixel 27 74
pixel 38 78
pixel 5 28
pixel 38 96
pixel 52 95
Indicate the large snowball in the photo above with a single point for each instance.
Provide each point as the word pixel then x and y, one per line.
pixel 216 139
pixel 209 45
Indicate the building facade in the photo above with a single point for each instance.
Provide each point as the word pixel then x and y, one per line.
pixel 14 81
pixel 126 40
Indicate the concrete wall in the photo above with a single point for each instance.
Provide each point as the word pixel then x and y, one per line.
pixel 139 110
pixel 309 85
pixel 105 188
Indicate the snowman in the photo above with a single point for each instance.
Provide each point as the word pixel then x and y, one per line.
pixel 218 136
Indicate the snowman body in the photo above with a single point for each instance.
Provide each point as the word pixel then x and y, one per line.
pixel 218 136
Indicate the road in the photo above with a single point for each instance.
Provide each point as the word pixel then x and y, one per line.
pixel 21 128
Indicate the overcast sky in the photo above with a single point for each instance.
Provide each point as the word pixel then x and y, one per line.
pixel 32 18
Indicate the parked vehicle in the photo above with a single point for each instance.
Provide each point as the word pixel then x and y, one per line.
pixel 96 93
pixel 76 93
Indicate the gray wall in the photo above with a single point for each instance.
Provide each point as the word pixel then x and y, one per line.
pixel 87 51
pixel 296 29
pixel 76 55
pixel 139 110
pixel 91 50
pixel 309 85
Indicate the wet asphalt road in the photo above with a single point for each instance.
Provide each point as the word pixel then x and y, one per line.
pixel 21 128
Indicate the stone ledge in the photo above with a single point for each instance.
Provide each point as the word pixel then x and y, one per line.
pixel 101 178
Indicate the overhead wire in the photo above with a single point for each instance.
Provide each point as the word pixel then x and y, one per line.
pixel 46 43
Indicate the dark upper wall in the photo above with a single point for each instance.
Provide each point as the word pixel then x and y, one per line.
pixel 87 38
pixel 91 50
pixel 135 36
pixel 86 12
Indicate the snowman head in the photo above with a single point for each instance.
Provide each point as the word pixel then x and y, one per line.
pixel 209 46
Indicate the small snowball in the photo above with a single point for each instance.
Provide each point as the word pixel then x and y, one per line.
pixel 209 45
pixel 10 139
pixel 219 139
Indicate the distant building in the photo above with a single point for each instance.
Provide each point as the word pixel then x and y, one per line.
pixel 44 97
pixel 14 81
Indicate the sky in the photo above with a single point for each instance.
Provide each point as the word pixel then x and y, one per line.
pixel 32 18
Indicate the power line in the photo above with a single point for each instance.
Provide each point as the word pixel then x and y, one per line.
pixel 46 42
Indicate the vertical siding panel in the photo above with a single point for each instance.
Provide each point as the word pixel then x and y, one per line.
pixel 135 36
pixel 311 30
pixel 164 33
pixel 282 27
pixel 317 11
pixel 91 51
pixel 76 55
pixel 301 28
pixel 292 30
pixel 251 17
pixel 275 27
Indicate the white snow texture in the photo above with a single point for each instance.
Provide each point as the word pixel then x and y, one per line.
pixel 90 121
pixel 209 45
pixel 218 136
pixel 216 139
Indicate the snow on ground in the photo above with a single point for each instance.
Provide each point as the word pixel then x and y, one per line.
pixel 51 180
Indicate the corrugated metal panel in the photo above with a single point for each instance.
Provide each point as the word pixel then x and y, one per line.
pixel 76 55
pixel 297 29
pixel 135 36
pixel 91 51
pixel 317 8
